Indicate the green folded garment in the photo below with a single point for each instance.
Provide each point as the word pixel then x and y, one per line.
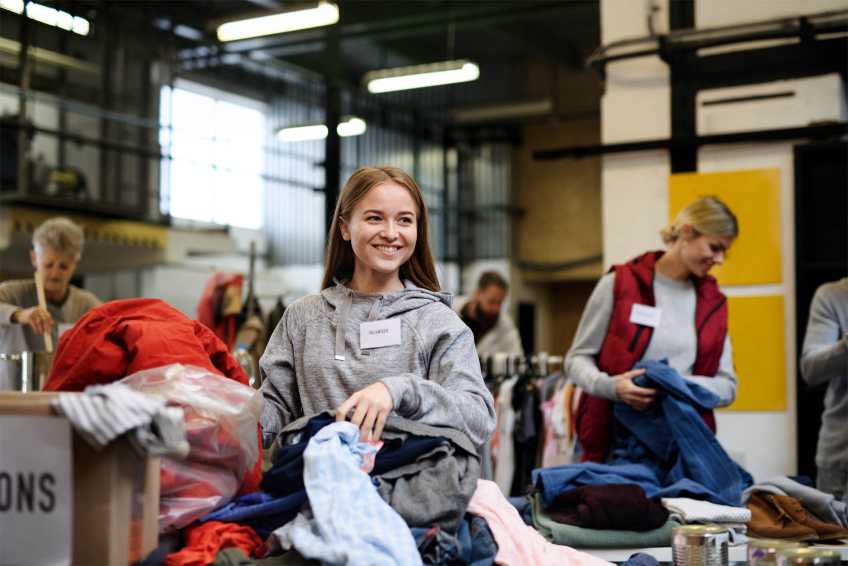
pixel 579 537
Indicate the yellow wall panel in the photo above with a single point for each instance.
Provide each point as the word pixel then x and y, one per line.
pixel 756 334
pixel 754 196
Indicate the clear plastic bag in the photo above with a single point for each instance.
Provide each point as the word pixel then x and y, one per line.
pixel 221 417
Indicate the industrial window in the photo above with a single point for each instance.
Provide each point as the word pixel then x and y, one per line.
pixel 214 162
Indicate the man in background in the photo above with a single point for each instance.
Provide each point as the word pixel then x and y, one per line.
pixel 824 361
pixel 493 330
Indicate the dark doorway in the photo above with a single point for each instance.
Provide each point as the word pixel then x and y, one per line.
pixel 821 255
pixel 527 327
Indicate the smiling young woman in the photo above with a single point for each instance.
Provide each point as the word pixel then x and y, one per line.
pixel 379 275
pixel 660 305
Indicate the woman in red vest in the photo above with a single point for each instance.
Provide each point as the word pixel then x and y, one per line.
pixel 660 305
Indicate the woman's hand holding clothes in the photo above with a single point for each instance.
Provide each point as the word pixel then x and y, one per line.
pixel 371 406
pixel 640 398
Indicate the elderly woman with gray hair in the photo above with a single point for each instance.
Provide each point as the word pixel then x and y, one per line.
pixel 57 248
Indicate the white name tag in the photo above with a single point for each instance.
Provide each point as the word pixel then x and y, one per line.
pixel 379 333
pixel 645 315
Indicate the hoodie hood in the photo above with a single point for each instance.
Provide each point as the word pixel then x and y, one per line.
pixel 389 304
pixel 410 298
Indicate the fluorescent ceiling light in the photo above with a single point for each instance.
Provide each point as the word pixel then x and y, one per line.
pixel 16 6
pixel 420 76
pixel 48 16
pixel 350 127
pixel 325 14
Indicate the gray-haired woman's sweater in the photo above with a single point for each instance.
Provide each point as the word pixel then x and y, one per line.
pixel 313 361
pixel 824 359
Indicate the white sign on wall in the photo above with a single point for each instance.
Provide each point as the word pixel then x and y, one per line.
pixel 36 490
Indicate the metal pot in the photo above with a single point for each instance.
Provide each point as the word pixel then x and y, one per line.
pixel 24 371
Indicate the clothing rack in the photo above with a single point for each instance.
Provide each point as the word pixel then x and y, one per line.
pixel 499 366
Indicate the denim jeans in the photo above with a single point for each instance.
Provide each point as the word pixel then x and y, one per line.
pixel 473 544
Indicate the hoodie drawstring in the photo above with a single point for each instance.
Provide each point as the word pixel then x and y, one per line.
pixel 341 319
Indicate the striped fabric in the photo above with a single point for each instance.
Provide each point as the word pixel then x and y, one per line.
pixel 105 412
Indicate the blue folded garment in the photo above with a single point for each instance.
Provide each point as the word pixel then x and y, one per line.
pixel 667 449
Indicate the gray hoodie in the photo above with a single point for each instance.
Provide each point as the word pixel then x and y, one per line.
pixel 313 363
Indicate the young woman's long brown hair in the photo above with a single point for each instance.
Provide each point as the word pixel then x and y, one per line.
pixel 420 269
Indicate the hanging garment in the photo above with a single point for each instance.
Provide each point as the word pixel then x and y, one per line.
pixel 204 541
pixel 220 305
pixel 559 434
pixel 526 433
pixel 519 544
pixel 611 506
pixel 580 537
pixel 351 524
pixel 503 447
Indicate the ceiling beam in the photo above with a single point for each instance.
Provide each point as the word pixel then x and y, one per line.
pixel 403 27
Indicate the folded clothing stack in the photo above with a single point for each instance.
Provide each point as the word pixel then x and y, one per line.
pixel 688 511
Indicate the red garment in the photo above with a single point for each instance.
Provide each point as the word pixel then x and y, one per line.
pixel 626 342
pixel 205 540
pixel 209 307
pixel 120 338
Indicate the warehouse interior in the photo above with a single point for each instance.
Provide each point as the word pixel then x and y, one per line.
pixel 582 129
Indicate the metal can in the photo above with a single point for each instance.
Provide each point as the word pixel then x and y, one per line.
pixel 764 551
pixel 805 556
pixel 700 545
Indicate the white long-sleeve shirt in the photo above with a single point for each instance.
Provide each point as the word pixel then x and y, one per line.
pixel 674 339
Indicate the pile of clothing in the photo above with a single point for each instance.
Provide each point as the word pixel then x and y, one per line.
pixel 412 498
pixel 665 468
pixel 782 508
pixel 181 361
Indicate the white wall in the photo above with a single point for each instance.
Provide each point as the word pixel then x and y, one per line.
pixel 635 186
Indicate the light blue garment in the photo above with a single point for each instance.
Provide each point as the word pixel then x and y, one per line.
pixel 350 525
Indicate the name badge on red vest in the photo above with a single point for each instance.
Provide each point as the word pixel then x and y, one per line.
pixel 645 315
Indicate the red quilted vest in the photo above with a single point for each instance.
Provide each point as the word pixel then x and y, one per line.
pixel 626 342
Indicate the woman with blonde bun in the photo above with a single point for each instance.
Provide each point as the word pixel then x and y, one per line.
pixel 660 305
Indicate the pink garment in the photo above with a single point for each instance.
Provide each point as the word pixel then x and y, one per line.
pixel 520 544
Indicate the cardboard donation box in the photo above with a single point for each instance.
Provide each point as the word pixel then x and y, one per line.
pixel 63 502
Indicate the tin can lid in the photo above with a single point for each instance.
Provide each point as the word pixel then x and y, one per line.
pixel 699 530
pixel 809 553
pixel 776 544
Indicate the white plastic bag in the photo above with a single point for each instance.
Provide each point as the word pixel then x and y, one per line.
pixel 221 417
